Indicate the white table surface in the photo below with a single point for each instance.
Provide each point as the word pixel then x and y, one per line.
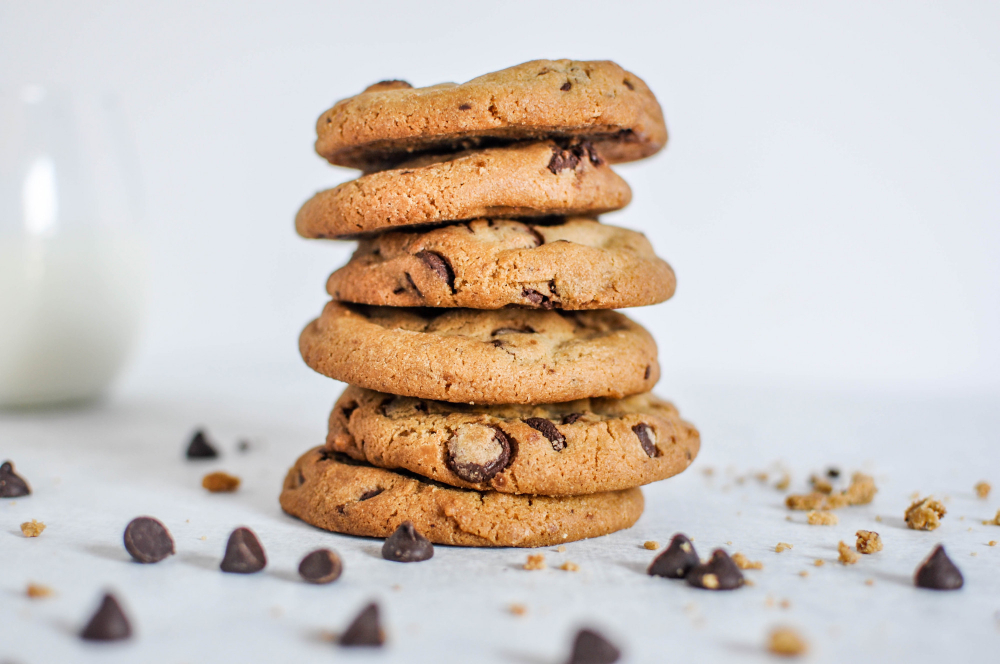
pixel 92 470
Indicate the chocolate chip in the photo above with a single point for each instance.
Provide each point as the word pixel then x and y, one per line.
pixel 548 430
pixel 536 298
pixel 12 485
pixel 388 85
pixel 562 159
pixel 200 448
pixel 527 329
pixel 566 86
pixel 649 370
pixel 676 560
pixel 477 452
pixel 108 623
pixel 589 647
pixel 406 545
pixel 833 473
pixel 348 408
pixel 647 438
pixel 244 554
pixel 938 572
pixel 439 265
pixel 320 566
pixel 465 107
pixel 539 238
pixel 365 629
pixel 147 540
pixel 413 284
pixel 371 493
pixel 592 154
pixel 719 573
pixel 628 84
pixel 571 418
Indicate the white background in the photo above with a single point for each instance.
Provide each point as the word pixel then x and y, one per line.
pixel 828 197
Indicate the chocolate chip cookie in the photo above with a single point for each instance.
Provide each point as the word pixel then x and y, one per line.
pixel 391 121
pixel 493 263
pixel 571 448
pixel 522 180
pixel 335 492
pixel 486 357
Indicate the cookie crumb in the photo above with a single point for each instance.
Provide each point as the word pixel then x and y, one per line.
pixel 748 582
pixel 561 548
pixel 782 546
pixel 569 567
pixel 822 518
pixel 991 543
pixel 786 642
pixel 785 604
pixel 710 581
pixel 761 477
pixel 518 609
pixel 805 501
pixel 804 573
pixel 868 541
pixel 783 483
pixel 203 538
pixel 878 517
pixel 535 562
pixel 821 484
pixel 925 514
pixel 995 521
pixel 983 489
pixel 652 545
pixel 862 489
pixel 708 471
pixel 37 591
pixel 32 528
pixel 744 563
pixel 220 482
pixel 847 555
pixel 819 562
pixel 869 582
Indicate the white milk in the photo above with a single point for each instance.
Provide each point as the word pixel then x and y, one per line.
pixel 70 309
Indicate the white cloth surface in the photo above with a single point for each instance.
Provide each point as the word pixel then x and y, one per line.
pixel 92 470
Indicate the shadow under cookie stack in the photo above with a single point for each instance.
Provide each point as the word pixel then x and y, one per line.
pixel 494 398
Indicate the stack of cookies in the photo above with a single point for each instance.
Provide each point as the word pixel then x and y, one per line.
pixel 494 398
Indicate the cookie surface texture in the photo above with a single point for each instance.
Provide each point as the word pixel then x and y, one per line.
pixel 523 180
pixel 571 448
pixel 489 357
pixel 493 263
pixel 334 492
pixel 542 99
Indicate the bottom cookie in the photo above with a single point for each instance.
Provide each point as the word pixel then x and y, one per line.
pixel 332 491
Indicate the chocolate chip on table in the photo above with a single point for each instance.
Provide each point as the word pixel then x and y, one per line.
pixel 12 485
pixel 147 540
pixel 439 265
pixel 244 554
pixel 549 430
pixel 719 573
pixel 406 545
pixel 477 452
pixel 321 566
pixel 200 448
pixel 589 647
pixel 938 572
pixel 365 629
pixel 676 560
pixel 647 438
pixel 108 623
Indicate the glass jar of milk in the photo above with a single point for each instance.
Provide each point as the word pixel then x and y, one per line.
pixel 72 264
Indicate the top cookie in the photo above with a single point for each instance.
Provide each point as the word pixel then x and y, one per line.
pixel 390 121
pixel 523 180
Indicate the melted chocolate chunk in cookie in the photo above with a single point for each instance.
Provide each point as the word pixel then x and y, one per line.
pixel 676 560
pixel 647 438
pixel 549 430
pixel 477 452
pixel 406 545
pixel 12 485
pixel 439 265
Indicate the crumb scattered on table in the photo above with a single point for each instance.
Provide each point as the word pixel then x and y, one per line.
pixel 861 491
pixel 868 541
pixel 819 562
pixel 38 591
pixel 561 548
pixel 710 581
pixel 535 562
pixel 785 603
pixel 652 545
pixel 786 642
pixel 983 489
pixel 32 528
pixel 878 517
pixel 822 518
pixel 821 484
pixel 869 582
pixel 925 514
pixel 518 609
pixel 220 482
pixel 848 556
pixel 569 567
pixel 782 546
pixel 804 573
pixel 784 482
pixel 995 521
pixel 744 563
pixel 991 543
